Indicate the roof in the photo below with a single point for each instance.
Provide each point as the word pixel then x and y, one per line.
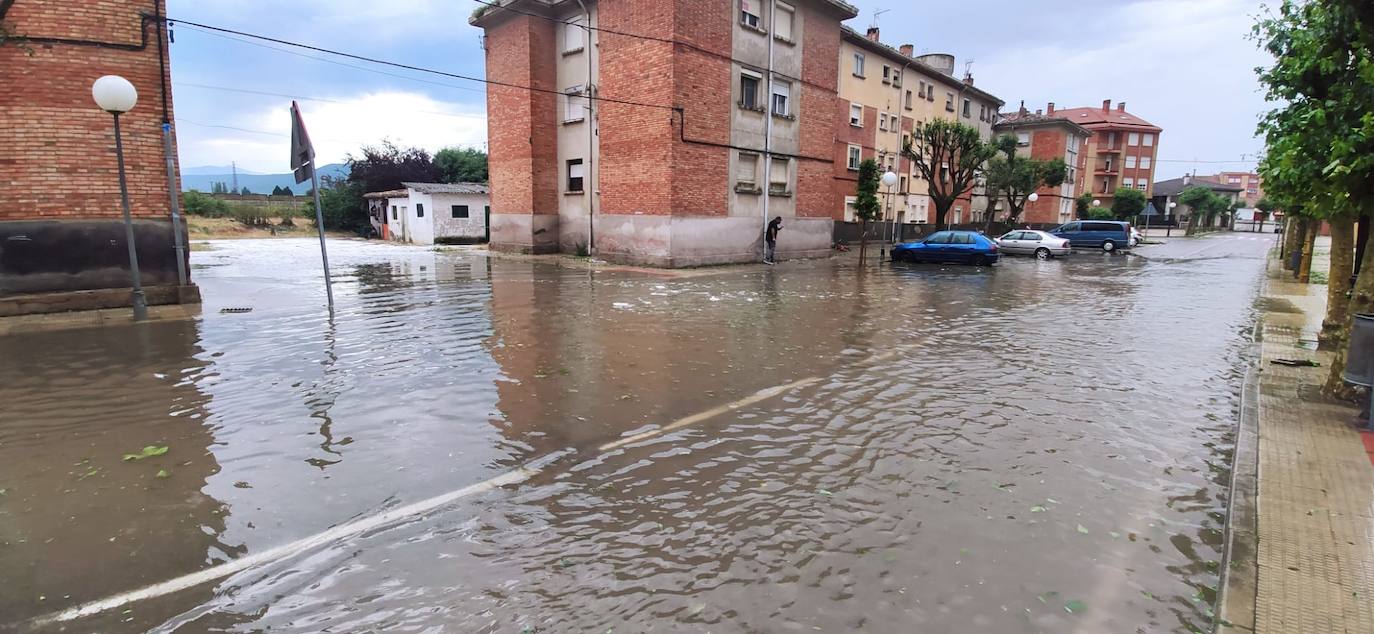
pixel 1096 116
pixel 449 188
pixel 484 13
pixel 848 33
pixel 1176 185
pixel 390 193
pixel 1031 119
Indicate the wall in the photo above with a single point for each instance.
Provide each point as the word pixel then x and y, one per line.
pixel 397 218
pixel 472 228
pixel 574 141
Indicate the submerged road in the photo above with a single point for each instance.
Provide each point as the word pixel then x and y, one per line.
pixel 495 445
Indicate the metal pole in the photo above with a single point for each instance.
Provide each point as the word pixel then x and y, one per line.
pixel 140 302
pixel 178 245
pixel 319 224
pixel 768 133
pixel 591 185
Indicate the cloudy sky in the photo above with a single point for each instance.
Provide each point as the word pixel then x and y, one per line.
pixel 1184 65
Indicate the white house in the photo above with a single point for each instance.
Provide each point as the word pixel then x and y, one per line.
pixel 426 213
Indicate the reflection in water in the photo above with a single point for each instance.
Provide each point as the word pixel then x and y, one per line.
pixel 1027 446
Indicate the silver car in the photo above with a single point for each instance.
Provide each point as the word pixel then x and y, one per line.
pixel 1038 243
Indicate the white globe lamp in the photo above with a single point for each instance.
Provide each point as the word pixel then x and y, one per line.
pixel 1033 197
pixel 889 179
pixel 114 94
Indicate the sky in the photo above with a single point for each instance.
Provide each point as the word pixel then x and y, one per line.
pixel 1184 65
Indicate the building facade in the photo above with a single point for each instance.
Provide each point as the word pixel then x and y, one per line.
pixel 662 133
pixel 431 213
pixel 1164 195
pixel 1045 137
pixel 1252 187
pixel 62 238
pixel 884 94
pixel 1122 151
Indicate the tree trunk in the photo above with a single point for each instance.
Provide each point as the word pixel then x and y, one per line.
pixel 1309 245
pixel 1295 242
pixel 1338 281
pixel 863 241
pixel 1361 301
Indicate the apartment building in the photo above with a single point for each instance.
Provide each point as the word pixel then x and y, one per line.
pixel 1122 151
pixel 885 93
pixel 1252 188
pixel 662 132
pixel 1047 135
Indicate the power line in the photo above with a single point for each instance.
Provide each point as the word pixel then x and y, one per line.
pixel 265 93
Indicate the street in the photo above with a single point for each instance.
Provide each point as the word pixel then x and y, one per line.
pixel 1036 446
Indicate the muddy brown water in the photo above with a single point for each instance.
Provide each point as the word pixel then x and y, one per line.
pixel 1042 446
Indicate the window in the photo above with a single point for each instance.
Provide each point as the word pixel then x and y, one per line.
pixel 1133 138
pixel 572 36
pixel 902 187
pixel 419 210
pixel 905 140
pixel 949 102
pixel 940 237
pixel 1111 139
pixel 781 91
pixel 882 121
pixel 858 64
pixel 1127 183
pixel 749 90
pixel 394 216
pixel 968 108
pixel 1130 162
pixel 982 113
pixel 944 172
pixel 1140 184
pixel 1234 180
pixel 575 109
pixel 748 15
pixel 777 176
pixel 459 211
pixel 907 103
pixel 782 21
pixel 849 209
pixel 1144 162
pixel 887 74
pixel 856 115
pixel 855 155
pixel 921 89
pixel 574 175
pixel 1023 138
pixel 746 170
pixel 1147 139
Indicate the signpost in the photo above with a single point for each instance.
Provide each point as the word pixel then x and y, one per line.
pixel 303 164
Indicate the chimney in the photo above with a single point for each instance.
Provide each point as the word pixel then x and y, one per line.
pixel 1022 110
pixel 907 50
pixel 968 79
pixel 1187 178
pixel 1037 111
pixel 873 33
pixel 1049 110
pixel 1106 105
pixel 1121 107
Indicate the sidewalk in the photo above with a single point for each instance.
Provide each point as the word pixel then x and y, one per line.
pixel 1300 551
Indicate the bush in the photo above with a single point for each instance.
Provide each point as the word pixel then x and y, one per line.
pixel 251 215
pixel 198 204
pixel 1098 213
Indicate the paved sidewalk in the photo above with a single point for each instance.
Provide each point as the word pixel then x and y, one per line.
pixel 1311 526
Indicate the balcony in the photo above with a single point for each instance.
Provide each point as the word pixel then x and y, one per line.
pixel 1111 168
pixel 1107 149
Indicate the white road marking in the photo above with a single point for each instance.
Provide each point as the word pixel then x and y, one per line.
pixel 760 395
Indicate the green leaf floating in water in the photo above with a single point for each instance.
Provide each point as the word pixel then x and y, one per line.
pixel 1075 606
pixel 1083 530
pixel 1037 509
pixel 148 452
pixel 163 473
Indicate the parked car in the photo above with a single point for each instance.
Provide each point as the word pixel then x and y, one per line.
pixel 1038 243
pixel 1108 235
pixel 949 246
pixel 1136 237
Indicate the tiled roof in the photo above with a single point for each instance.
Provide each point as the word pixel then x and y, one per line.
pixel 449 188
pixel 1096 116
pixel 855 37
pixel 1176 185
pixel 1017 119
pixel 390 193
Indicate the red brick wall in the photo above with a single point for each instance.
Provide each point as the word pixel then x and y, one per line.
pixel 1046 144
pixel 817 196
pixel 845 180
pixel 702 88
pixel 522 139
pixel 57 156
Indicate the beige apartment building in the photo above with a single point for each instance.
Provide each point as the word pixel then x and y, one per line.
pixel 884 93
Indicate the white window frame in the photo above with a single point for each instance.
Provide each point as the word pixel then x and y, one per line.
pixel 882 121
pixel 1133 138
pixel 855 156
pixel 859 65
pixel 907 100
pixel 740 162
pixel 790 20
pixel 1145 162
pixel 581 170
pixel 850 210
pixel 1147 139
pixel 856 115
pixel 758 83
pixel 1130 161
pixel 949 101
pixel 574 109
pixel 779 175
pixel 786 94
pixel 749 18
pixel 1142 184
pixel 573 36
pixel 1023 139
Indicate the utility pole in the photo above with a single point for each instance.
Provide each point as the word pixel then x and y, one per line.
pixel 235 166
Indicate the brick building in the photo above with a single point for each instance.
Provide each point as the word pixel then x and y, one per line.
pixel 1252 188
pixel 1047 135
pixel 1122 152
pixel 708 114
pixel 884 93
pixel 62 240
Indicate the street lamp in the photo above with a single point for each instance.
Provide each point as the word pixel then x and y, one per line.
pixel 116 95
pixel 1169 227
pixel 889 179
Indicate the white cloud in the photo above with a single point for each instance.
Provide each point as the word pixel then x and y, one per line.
pixel 337 127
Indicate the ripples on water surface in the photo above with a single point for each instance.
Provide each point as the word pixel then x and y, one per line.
pixel 1045 451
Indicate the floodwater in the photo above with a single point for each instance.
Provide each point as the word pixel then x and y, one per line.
pixel 1040 446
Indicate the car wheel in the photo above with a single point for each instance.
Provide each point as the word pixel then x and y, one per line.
pixel 1109 246
pixel 980 260
pixel 1043 254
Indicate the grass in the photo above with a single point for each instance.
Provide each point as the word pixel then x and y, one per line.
pixel 201 227
pixel 1317 277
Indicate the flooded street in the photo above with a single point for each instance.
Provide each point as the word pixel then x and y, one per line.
pixel 1036 447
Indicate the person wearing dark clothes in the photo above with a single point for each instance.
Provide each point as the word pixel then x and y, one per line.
pixel 770 239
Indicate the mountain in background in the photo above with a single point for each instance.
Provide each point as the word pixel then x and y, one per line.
pixel 196 178
pixel 214 169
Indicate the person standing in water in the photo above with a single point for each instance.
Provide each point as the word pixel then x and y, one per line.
pixel 770 240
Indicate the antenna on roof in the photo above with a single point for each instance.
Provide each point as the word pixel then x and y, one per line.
pixel 968 67
pixel 876 14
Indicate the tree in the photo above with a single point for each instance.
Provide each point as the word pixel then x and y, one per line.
pixel 198 204
pixel 1083 205
pixel 949 156
pixel 1199 200
pixel 1127 202
pixel 341 204
pixel 243 191
pixel 462 165
pixel 866 206
pixel 1015 177
pixel 218 187
pixel 385 167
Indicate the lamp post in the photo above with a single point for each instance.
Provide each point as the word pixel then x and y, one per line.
pixel 116 95
pixel 889 179
pixel 1032 198
pixel 1168 229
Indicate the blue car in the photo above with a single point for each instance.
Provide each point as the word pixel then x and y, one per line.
pixel 1107 235
pixel 949 246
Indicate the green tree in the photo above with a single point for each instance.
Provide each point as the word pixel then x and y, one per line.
pixel 1127 202
pixel 1083 205
pixel 341 204
pixel 866 207
pixel 243 191
pixel 199 204
pixel 949 156
pixel 462 165
pixel 1199 200
pixel 1015 177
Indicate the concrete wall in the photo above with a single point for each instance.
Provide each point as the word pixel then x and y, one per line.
pixel 575 135
pixel 398 219
pixel 38 256
pixel 472 228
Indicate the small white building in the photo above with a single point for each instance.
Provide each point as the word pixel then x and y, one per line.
pixel 429 213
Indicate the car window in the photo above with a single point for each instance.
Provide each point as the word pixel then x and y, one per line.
pixel 1103 226
pixel 941 237
pixel 1031 235
pixel 1011 235
pixel 962 238
pixel 1068 228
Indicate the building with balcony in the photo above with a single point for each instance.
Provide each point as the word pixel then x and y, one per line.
pixel 1122 151
pixel 1047 135
pixel 1250 184
pixel 662 133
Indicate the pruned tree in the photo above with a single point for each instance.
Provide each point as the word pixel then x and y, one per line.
pixel 1127 202
pixel 866 206
pixel 1082 205
pixel 949 156
pixel 1015 177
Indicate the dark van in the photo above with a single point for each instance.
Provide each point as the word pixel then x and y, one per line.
pixel 1108 235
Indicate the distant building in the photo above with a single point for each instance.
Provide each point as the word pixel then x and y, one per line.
pixel 1252 187
pixel 1166 193
pixel 1122 152
pixel 1047 136
pixel 62 234
pixel 430 213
